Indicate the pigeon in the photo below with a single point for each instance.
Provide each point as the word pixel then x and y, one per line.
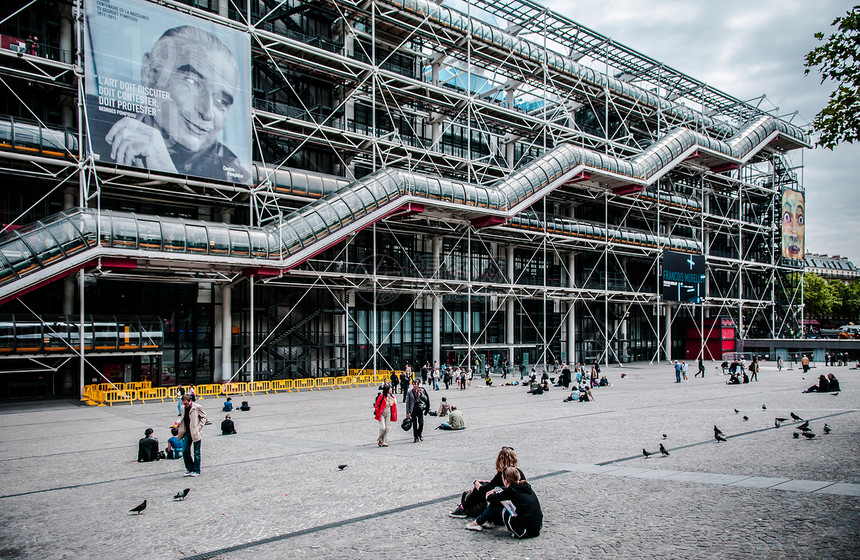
pixel 808 435
pixel 776 423
pixel 804 429
pixel 804 425
pixel 795 435
pixel 139 509
pixel 663 451
pixel 341 467
pixel 645 452
pixel 717 430
pixel 665 436
pixel 764 407
pixel 736 411
pixel 181 495
pixel 795 417
pixel 746 418
pixel 719 438
pixel 827 428
pixel 781 419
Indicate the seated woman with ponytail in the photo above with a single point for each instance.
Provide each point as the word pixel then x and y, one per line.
pixel 515 506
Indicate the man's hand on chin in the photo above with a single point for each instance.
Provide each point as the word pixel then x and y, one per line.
pixel 139 145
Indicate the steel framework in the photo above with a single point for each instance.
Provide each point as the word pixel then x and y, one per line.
pixel 517 187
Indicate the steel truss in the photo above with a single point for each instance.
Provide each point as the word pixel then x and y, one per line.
pixel 395 87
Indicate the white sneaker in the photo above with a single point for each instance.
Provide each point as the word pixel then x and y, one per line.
pixel 188 473
pixel 194 474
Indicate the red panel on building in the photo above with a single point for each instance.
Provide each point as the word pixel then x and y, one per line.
pixel 719 339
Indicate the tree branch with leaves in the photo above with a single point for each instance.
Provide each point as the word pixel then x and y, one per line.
pixel 837 60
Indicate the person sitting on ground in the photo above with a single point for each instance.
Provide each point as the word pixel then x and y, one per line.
pixel 515 506
pixel 474 502
pixel 734 379
pixel 174 444
pixel 604 382
pixel 455 421
pixel 535 388
pixel 444 408
pixel 574 395
pixel 227 427
pixel 822 387
pixel 834 383
pixel 228 405
pixel 585 392
pixel 488 380
pixel 147 447
pixel 245 406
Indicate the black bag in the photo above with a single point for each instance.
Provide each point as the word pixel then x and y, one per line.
pixel 406 424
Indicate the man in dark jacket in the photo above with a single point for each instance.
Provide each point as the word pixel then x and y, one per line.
pixel 147 447
pixel 417 405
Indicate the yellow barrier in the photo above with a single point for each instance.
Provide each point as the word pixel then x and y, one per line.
pixel 142 390
pixel 207 390
pixel 344 381
pixel 303 384
pixel 119 396
pixel 330 382
pixel 282 385
pixel 260 386
pixel 364 380
pixel 153 393
pixel 138 385
pixel 234 388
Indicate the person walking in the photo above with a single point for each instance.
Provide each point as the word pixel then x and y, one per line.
pixel 191 432
pixel 394 382
pixel 701 369
pixel 754 369
pixel 417 405
pixel 684 371
pixel 677 372
pixel 385 412
pixel 180 390
pixel 779 363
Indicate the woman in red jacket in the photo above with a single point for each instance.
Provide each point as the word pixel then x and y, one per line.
pixel 385 412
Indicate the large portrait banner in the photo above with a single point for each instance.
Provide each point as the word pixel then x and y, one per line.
pixel 793 225
pixel 167 91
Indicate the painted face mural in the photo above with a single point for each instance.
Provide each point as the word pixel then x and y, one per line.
pixel 793 224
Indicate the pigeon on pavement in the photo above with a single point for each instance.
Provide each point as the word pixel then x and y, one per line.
pixel 663 451
pixel 181 495
pixel 139 509
pixel 795 417
pixel 341 467
pixel 646 453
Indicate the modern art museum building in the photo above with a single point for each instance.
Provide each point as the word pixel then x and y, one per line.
pixel 213 190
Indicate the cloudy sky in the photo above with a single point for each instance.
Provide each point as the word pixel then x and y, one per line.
pixel 747 48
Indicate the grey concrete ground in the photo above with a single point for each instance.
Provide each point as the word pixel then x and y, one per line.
pixel 274 490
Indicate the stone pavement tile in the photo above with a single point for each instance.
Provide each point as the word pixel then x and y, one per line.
pixel 656 473
pixel 802 485
pixel 758 482
pixel 840 488
pixel 716 478
pixel 625 471
pixel 685 476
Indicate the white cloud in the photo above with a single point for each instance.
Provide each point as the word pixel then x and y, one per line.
pixel 746 49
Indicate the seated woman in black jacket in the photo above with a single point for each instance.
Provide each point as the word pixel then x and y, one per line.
pixel 473 502
pixel 822 387
pixel 147 447
pixel 515 506
pixel 834 383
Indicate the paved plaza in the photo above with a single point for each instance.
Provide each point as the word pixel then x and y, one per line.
pixel 274 490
